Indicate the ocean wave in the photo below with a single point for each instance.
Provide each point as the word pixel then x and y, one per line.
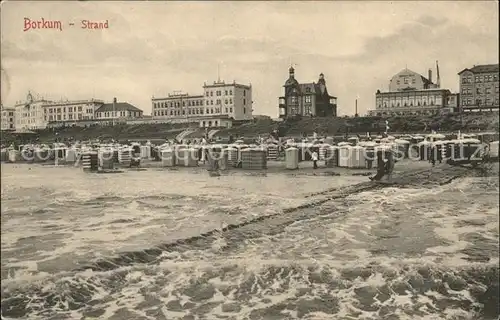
pixel 260 289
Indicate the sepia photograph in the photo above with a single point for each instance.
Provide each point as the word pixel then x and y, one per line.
pixel 249 160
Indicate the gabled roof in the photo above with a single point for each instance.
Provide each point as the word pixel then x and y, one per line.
pixel 119 106
pixel 484 68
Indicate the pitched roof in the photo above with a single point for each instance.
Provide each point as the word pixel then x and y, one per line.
pixel 484 68
pixel 119 106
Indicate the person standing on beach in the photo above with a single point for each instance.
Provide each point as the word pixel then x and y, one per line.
pixel 381 166
pixel 389 164
pixel 314 157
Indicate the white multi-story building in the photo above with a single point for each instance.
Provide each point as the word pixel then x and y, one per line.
pixel 30 113
pixel 67 111
pixel 180 106
pixel 8 118
pixel 220 104
pixel 37 113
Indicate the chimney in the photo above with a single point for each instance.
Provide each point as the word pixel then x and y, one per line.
pixel 430 75
pixel 114 100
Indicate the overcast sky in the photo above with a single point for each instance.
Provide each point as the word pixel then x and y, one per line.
pixel 154 48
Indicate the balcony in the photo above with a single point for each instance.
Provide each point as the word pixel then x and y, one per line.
pixel 282 101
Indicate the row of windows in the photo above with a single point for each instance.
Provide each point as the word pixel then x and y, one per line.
pixel 406 104
pixel 192 111
pixel 125 113
pixel 70 109
pixel 173 104
pixel 160 105
pixel 426 112
pixel 294 110
pixel 479 102
pixel 209 123
pixel 59 117
pixel 218 93
pixel 10 113
pixel 406 81
pixel 479 79
pixel 295 100
pixel 468 91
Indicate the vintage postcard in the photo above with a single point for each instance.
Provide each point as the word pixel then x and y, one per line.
pixel 256 160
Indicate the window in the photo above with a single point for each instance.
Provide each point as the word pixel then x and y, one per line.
pixel 225 92
pixel 244 110
pixel 231 109
pixel 406 80
pixel 231 92
pixel 413 80
pixel 211 102
pixel 225 101
pixel 398 82
pixel 244 93
pixel 245 101
pixel 79 109
pixel 308 99
pixel 477 79
pixel 227 110
pixel 231 100
pixel 487 90
pixel 308 89
pixel 478 90
pixel 206 93
pixel 211 93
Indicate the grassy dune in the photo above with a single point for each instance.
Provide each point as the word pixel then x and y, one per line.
pixel 291 127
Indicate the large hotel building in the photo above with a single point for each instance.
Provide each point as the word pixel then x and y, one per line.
pixel 479 88
pixel 38 113
pixel 220 104
pixel 411 93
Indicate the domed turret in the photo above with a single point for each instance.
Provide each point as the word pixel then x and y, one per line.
pixel 291 79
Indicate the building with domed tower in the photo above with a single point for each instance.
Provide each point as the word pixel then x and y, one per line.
pixel 306 99
pixel 410 93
